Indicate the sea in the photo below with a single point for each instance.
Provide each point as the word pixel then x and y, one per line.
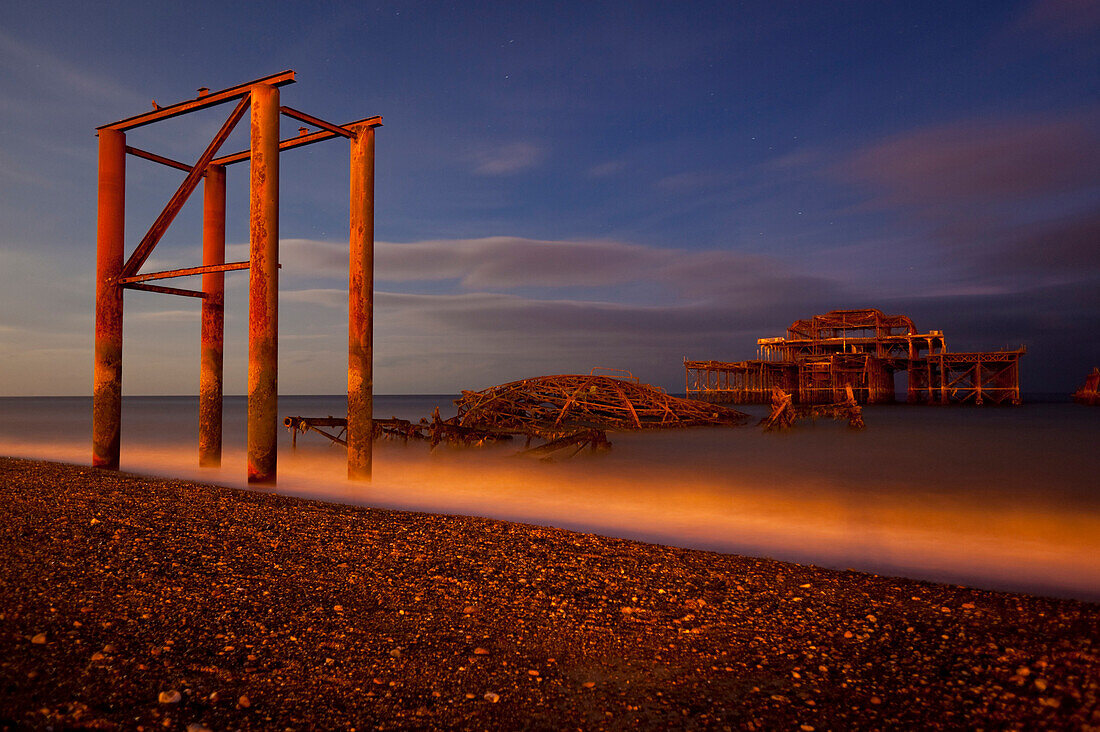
pixel 1003 498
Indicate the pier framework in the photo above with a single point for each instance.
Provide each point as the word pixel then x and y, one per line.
pixel 821 357
pixel 115 273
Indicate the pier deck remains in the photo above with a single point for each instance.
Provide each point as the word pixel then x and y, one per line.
pixel 821 357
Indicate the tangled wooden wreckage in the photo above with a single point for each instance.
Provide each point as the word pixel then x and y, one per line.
pixel 565 411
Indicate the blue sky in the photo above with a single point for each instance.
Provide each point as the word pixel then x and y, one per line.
pixel 567 185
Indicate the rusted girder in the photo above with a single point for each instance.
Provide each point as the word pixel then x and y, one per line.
pixel 139 153
pixel 185 272
pixel 164 290
pixel 316 122
pixel 110 229
pixel 361 305
pixel 213 318
pixel 156 231
pixel 203 101
pixel 299 141
pixel 263 288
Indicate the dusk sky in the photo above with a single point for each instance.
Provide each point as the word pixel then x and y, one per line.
pixel 572 184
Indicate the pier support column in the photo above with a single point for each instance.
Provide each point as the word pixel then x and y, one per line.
pixel 213 319
pixel 107 388
pixel 361 306
pixel 263 286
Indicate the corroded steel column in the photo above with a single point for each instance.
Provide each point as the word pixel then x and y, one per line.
pixel 107 388
pixel 361 305
pixel 213 319
pixel 263 286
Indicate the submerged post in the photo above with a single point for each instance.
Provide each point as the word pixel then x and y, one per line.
pixel 263 286
pixel 213 319
pixel 361 305
pixel 107 388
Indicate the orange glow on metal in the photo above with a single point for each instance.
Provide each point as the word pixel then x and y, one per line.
pixel 114 275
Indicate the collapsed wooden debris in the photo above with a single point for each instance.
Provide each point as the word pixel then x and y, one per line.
pixel 553 406
pixel 785 413
pixel 570 410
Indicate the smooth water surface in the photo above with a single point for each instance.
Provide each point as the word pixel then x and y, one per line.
pixel 1001 498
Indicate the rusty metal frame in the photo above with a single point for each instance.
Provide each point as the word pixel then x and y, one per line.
pixel 113 275
pixel 301 141
pixel 187 187
pixel 165 290
pixel 138 152
pixel 820 357
pixel 186 272
pixel 201 102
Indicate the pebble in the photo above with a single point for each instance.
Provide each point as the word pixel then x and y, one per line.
pixel 588 684
pixel 39 639
pixel 169 697
pixel 492 697
pixel 479 651
pixel 243 702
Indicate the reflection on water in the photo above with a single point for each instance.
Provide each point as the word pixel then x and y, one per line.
pixel 997 498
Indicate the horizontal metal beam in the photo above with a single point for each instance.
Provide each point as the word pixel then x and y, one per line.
pixel 138 152
pixel 166 290
pixel 202 102
pixel 316 122
pixel 166 274
pixel 299 141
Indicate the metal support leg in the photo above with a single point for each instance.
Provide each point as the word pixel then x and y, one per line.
pixel 213 319
pixel 361 306
pixel 263 287
pixel 107 389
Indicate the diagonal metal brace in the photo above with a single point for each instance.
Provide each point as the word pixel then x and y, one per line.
pixel 165 290
pixel 156 231
pixel 309 119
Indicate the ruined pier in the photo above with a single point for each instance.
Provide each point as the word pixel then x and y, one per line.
pixel 821 357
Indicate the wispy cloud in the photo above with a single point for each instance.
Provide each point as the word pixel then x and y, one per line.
pixel 508 159
pixel 605 170
pixel 509 263
pixel 1059 20
pixel 31 67
pixel 982 161
pixel 1010 200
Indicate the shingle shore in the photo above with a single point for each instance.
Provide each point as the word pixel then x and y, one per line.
pixel 142 603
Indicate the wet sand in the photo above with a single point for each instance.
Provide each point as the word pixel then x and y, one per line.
pixel 133 602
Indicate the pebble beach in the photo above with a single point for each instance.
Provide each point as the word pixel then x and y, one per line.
pixel 130 602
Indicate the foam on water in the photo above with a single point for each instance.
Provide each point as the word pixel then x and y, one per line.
pixel 996 498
